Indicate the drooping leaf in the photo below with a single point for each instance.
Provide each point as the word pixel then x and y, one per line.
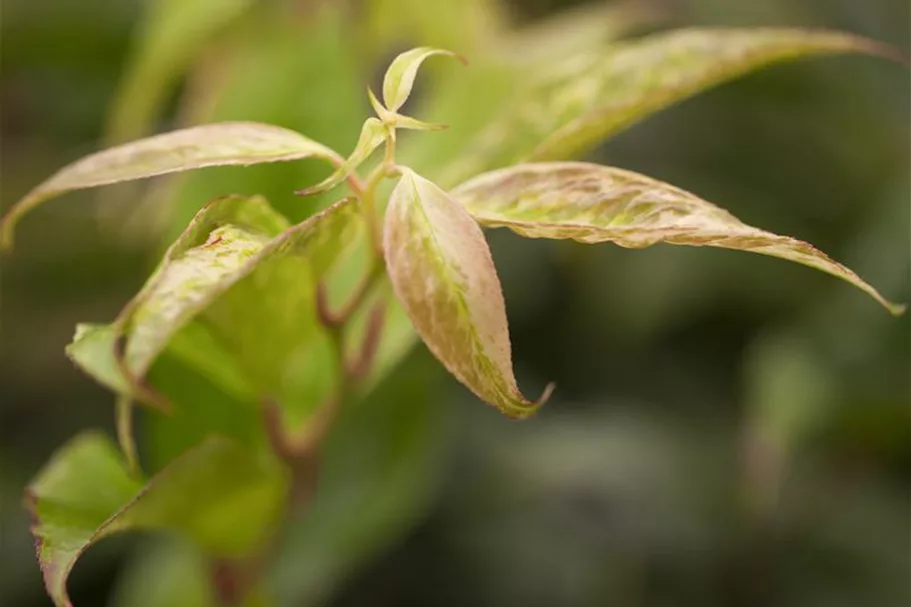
pixel 219 494
pixel 399 78
pixel 443 274
pixel 172 34
pixel 229 143
pixel 565 112
pixel 268 67
pixel 591 203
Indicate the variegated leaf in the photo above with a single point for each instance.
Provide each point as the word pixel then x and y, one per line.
pixel 250 288
pixel 442 272
pixel 566 111
pixel 212 253
pixel 399 78
pixel 227 143
pixel 220 494
pixel 591 203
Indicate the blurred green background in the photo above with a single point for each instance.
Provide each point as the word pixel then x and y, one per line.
pixel 727 429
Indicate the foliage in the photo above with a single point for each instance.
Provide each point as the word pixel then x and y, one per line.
pixel 298 320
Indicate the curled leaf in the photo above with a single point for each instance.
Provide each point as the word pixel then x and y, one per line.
pixel 399 78
pixel 226 143
pixel 591 203
pixel 442 272
pixel 218 493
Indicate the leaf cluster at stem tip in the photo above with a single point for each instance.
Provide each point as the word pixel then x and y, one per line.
pixel 251 302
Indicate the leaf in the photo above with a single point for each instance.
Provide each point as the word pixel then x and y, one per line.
pixel 92 350
pixel 255 74
pixel 251 297
pixel 227 143
pixel 442 272
pixel 218 493
pixel 591 98
pixel 202 262
pixel 373 134
pixel 399 121
pixel 591 203
pixel 399 78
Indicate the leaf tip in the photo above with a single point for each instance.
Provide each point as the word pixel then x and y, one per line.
pixel 459 57
pixel 7 228
pixel 896 309
pixel 528 409
pixel 546 394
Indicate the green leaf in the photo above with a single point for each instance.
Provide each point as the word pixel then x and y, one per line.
pixel 589 99
pixel 443 274
pixel 373 134
pixel 399 78
pixel 211 253
pixel 218 493
pixel 172 34
pixel 591 203
pixel 399 121
pixel 227 143
pixel 250 297
pixel 164 558
pixel 92 350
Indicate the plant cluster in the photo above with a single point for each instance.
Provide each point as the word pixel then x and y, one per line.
pixel 247 299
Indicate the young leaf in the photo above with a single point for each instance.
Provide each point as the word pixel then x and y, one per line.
pixel 399 78
pixel 558 118
pixel 400 121
pixel 591 203
pixel 442 272
pixel 373 134
pixel 227 143
pixel 218 493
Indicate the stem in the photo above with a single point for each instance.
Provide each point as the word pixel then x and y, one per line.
pixel 124 419
pixel 234 581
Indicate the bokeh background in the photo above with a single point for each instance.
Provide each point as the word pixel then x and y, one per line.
pixel 727 429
